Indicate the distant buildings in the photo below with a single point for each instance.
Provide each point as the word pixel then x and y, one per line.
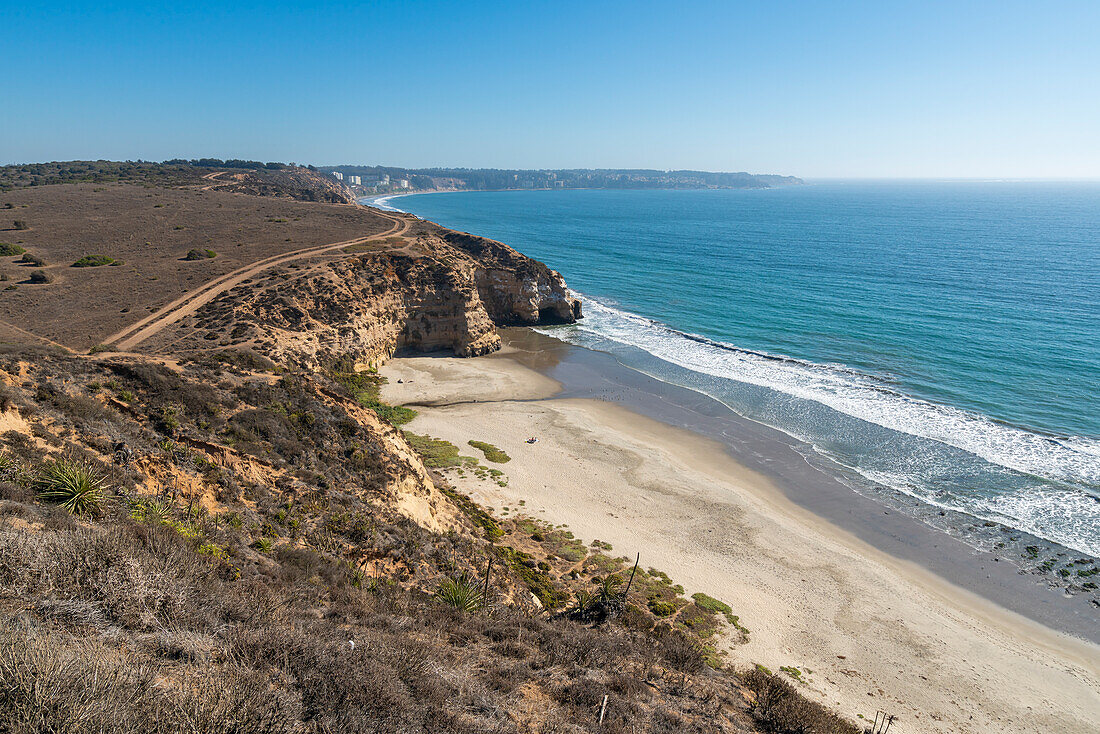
pixel 382 182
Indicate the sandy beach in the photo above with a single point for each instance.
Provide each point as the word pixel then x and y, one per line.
pixel 868 631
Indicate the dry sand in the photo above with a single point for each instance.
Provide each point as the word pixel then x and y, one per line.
pixel 869 631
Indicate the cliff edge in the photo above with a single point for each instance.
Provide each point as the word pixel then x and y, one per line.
pixel 429 289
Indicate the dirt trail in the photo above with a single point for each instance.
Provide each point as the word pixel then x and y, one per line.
pixel 134 334
pixel 211 177
pixel 13 327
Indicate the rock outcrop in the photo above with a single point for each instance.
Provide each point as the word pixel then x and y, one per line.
pixel 442 290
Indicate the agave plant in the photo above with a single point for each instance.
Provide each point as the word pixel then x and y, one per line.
pixel 461 592
pixel 76 486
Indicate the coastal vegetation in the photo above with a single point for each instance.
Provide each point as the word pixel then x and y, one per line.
pixel 74 486
pixel 8 250
pixel 200 254
pixel 365 388
pixel 93 261
pixel 436 452
pixel 492 453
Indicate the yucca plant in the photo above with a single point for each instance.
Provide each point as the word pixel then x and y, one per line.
pixel 583 601
pixel 461 592
pixel 151 510
pixel 74 485
pixel 609 588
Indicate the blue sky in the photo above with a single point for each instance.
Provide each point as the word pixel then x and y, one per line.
pixel 815 89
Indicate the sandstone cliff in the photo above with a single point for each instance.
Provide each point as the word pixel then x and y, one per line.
pixel 433 290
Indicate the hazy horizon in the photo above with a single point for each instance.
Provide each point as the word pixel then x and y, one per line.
pixel 853 90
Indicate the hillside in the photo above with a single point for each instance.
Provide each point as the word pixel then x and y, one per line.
pixel 248 177
pixel 210 521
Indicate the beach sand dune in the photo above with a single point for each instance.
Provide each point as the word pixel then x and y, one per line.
pixel 868 632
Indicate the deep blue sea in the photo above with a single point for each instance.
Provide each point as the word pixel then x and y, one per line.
pixel 939 339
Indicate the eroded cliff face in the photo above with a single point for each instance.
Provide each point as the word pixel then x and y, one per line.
pixel 435 290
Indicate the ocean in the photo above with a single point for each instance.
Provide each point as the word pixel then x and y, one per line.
pixel 935 341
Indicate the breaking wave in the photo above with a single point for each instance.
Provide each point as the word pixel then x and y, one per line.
pixel 1042 484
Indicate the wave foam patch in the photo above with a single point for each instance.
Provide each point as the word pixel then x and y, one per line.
pixel 383 203
pixel 1072 459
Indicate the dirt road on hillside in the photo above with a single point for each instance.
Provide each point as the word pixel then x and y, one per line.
pixel 190 302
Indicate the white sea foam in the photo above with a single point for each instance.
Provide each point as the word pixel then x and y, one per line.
pixel 1065 512
pixel 1064 515
pixel 383 203
pixel 1069 459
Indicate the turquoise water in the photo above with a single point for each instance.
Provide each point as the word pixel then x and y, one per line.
pixel 940 339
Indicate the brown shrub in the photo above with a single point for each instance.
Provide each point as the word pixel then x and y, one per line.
pixel 56 684
pixel 779 708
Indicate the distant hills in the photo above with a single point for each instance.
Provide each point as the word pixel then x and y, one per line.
pixel 386 178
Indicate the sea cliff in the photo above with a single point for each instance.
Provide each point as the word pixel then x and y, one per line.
pixel 435 290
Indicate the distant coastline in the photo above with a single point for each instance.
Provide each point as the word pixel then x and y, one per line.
pixel 384 179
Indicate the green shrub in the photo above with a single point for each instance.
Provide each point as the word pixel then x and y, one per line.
pixel 540 583
pixel 93 261
pixel 436 452
pixel 8 249
pixel 200 254
pixel 716 607
pixel 365 388
pixel 492 453
pixel 29 259
pixel 474 511
pixel 461 592
pixel 75 486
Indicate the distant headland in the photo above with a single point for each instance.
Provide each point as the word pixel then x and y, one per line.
pixel 384 179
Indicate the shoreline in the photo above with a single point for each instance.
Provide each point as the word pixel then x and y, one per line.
pixel 812 485
pixel 371 198
pixel 878 630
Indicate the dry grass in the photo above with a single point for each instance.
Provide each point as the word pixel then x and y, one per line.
pixel 302 601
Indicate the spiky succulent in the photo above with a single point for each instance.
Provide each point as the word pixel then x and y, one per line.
pixel 74 485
